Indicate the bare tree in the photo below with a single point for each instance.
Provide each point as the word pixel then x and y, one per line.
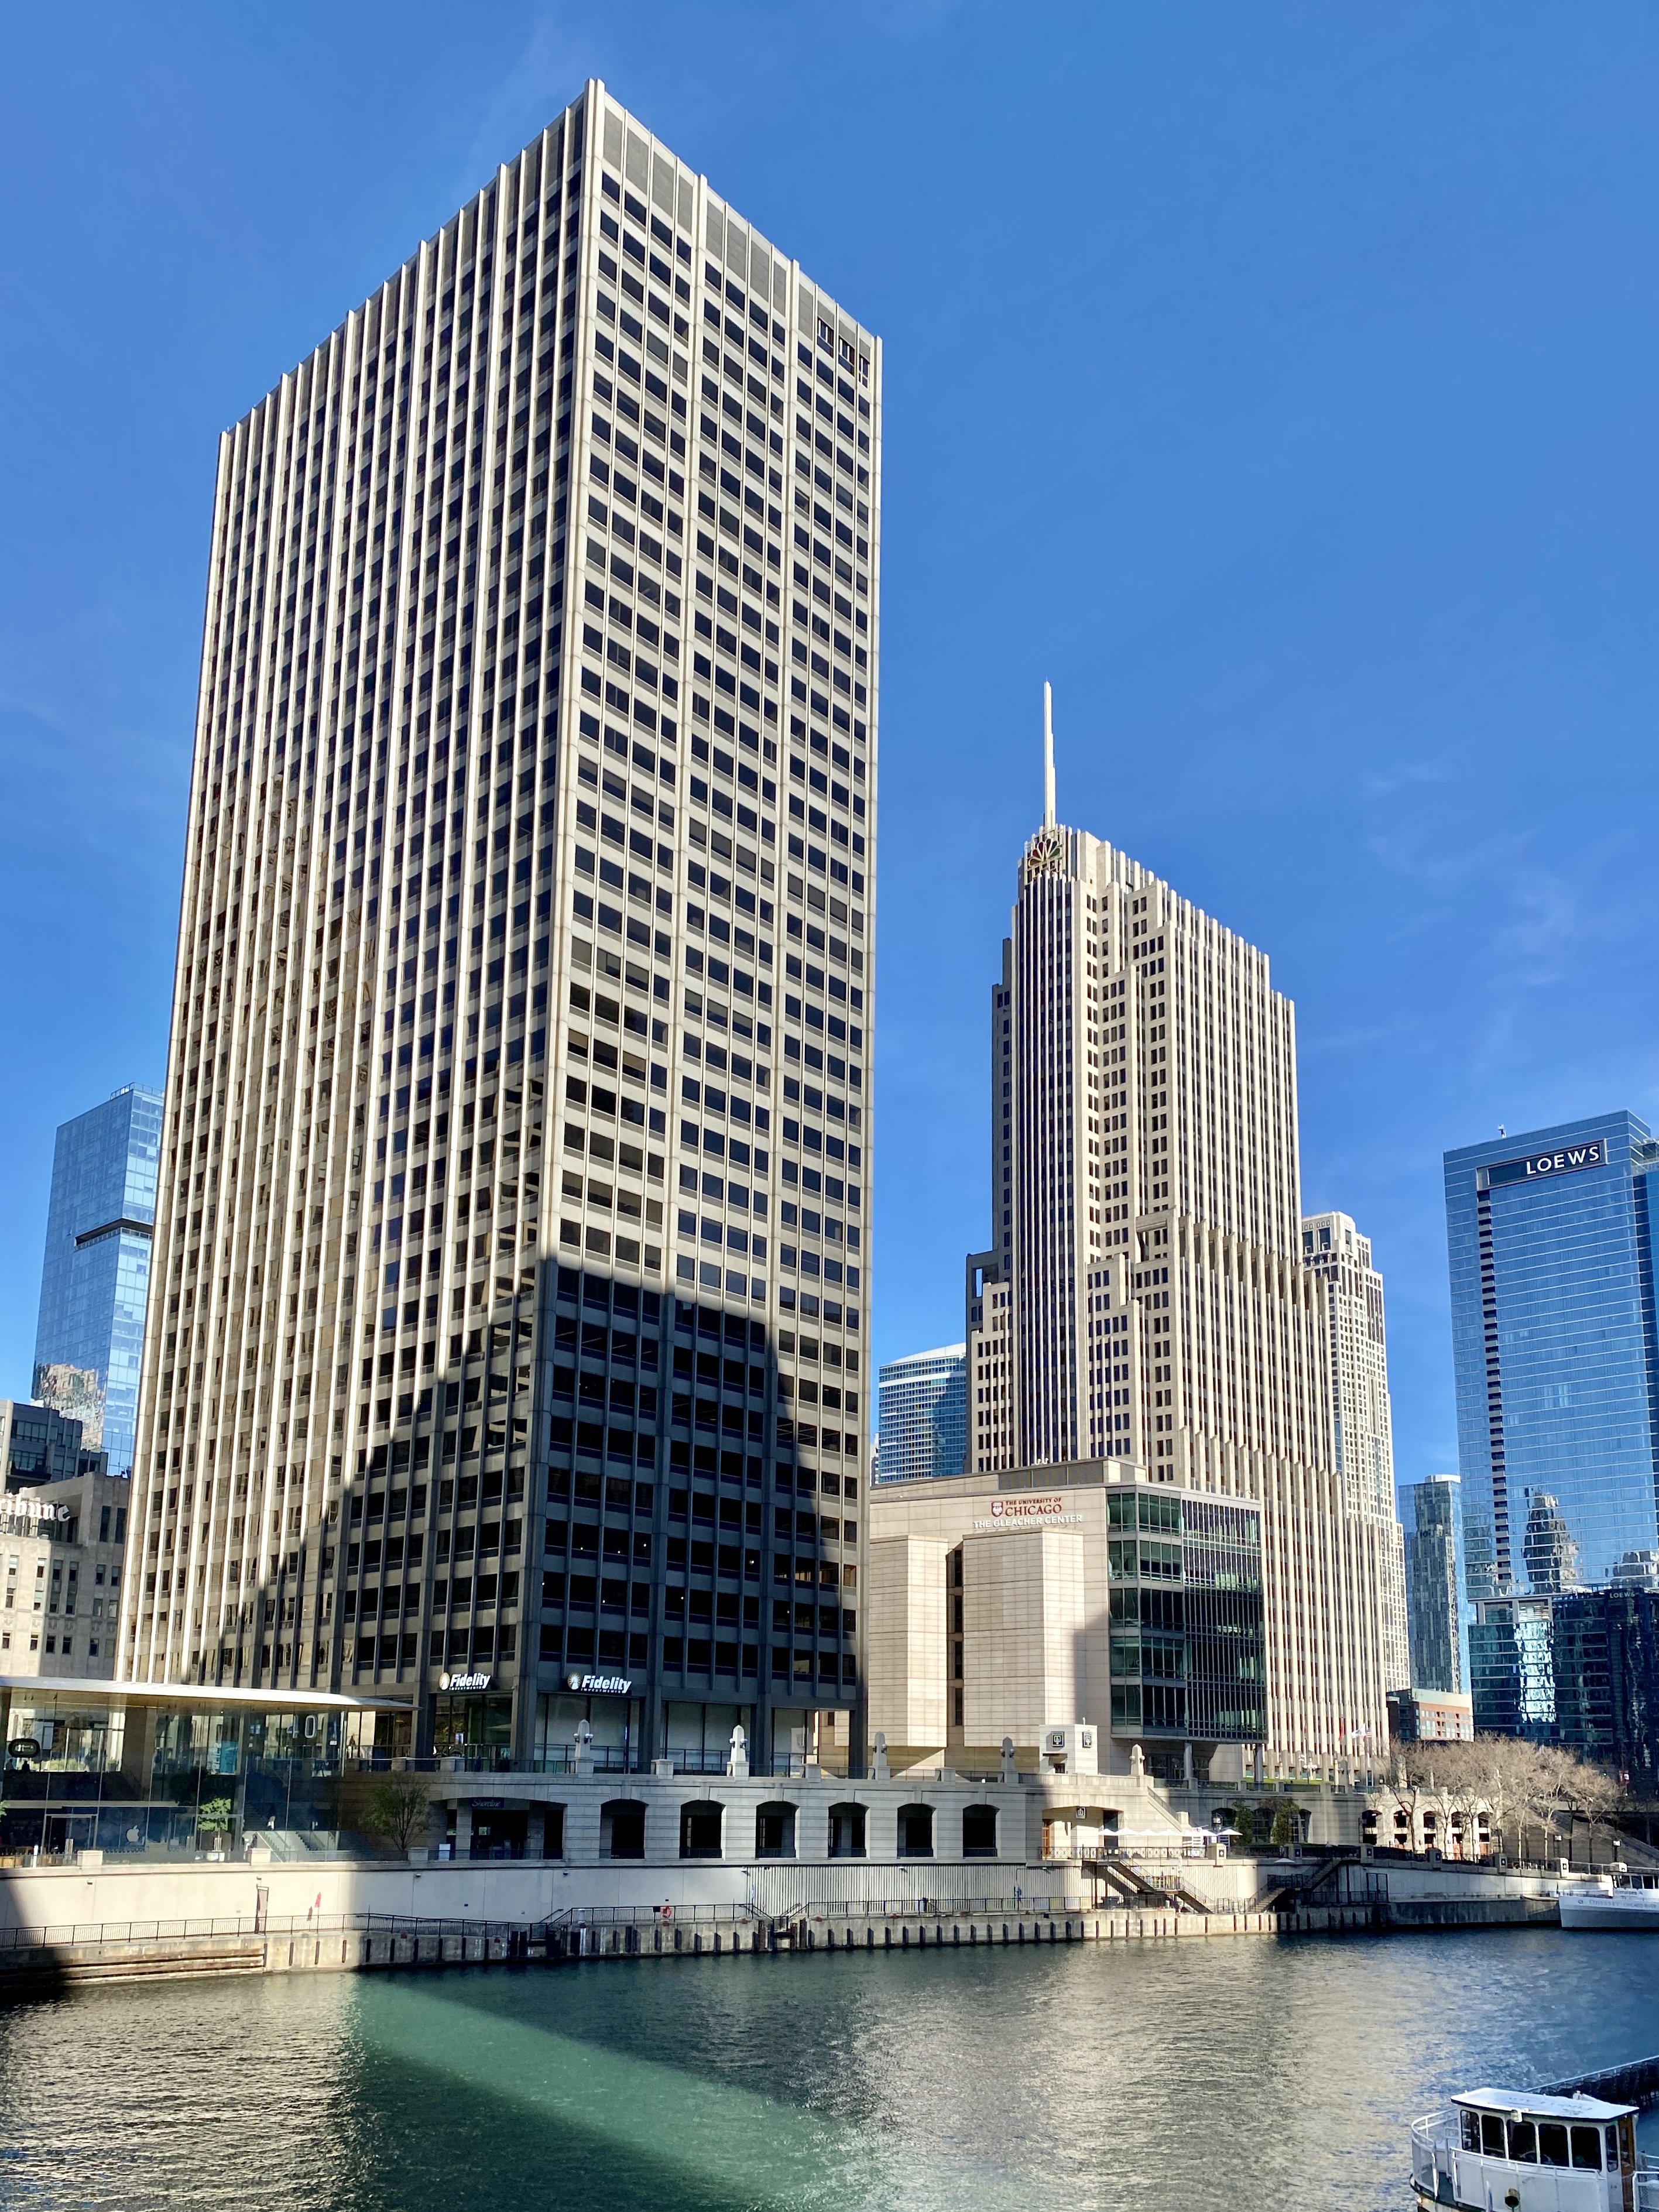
pixel 1405 1788
pixel 397 1810
pixel 1495 1767
pixel 1547 1788
pixel 1518 1786
pixel 1452 1781
pixel 1598 1798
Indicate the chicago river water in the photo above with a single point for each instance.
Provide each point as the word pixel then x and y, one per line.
pixel 1161 2077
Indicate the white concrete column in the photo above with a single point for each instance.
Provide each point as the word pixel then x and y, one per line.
pixel 581 1822
pixel 812 1816
pixel 880 1821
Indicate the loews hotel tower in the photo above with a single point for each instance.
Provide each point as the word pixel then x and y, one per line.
pixel 507 1349
pixel 1144 1296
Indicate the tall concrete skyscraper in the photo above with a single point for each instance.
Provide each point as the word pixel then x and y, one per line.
pixel 1146 1230
pixel 95 1283
pixel 509 1319
pixel 1358 1347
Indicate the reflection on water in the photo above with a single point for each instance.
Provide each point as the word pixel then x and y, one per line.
pixel 1159 2076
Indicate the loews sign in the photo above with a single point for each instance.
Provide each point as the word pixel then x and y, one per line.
pixel 1540 1167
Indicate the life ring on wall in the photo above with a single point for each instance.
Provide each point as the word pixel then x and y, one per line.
pixel 667 1912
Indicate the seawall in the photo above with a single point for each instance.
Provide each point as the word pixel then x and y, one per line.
pixel 138 1921
pixel 45 1958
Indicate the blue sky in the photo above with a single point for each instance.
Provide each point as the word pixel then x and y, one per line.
pixel 1277 381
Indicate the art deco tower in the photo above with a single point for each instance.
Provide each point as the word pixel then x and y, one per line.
pixel 1144 1296
pixel 509 1302
pixel 1340 1255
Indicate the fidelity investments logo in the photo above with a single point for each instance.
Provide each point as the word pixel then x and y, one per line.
pixel 599 1685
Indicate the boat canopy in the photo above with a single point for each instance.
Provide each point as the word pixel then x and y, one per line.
pixel 1534 2105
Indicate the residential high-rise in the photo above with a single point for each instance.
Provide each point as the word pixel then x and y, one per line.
pixel 88 1344
pixel 1512 1667
pixel 1434 1583
pixel 1422 1716
pixel 1578 1668
pixel 1362 1425
pixel 923 1413
pixel 1556 1354
pixel 39 1444
pixel 1605 1660
pixel 1550 1556
pixel 1149 1212
pixel 510 1300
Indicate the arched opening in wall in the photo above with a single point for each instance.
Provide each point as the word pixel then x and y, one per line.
pixel 979 1832
pixel 702 1825
pixel 915 1832
pixel 622 1829
pixel 774 1832
pixel 846 1832
pixel 499 1833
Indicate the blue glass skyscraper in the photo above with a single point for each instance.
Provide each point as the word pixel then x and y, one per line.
pixel 89 1340
pixel 923 1412
pixel 1551 1252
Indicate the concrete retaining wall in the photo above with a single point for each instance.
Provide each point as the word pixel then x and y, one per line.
pixel 1473 1912
pixel 523 1891
pixel 51 1965
pixel 87 1909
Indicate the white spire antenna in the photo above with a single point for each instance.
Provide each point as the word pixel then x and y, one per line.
pixel 1048 756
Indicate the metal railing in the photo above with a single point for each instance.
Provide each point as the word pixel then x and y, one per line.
pixel 606 1758
pixel 1438 2151
pixel 936 1908
pixel 286 1846
pixel 67 1935
pixel 1192 1853
pixel 649 1916
pixel 940 1909
pixel 449 1762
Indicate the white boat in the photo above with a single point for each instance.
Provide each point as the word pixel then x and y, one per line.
pixel 1520 2150
pixel 1630 1902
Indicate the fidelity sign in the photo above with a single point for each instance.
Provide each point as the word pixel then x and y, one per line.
pixel 1539 1167
pixel 600 1686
